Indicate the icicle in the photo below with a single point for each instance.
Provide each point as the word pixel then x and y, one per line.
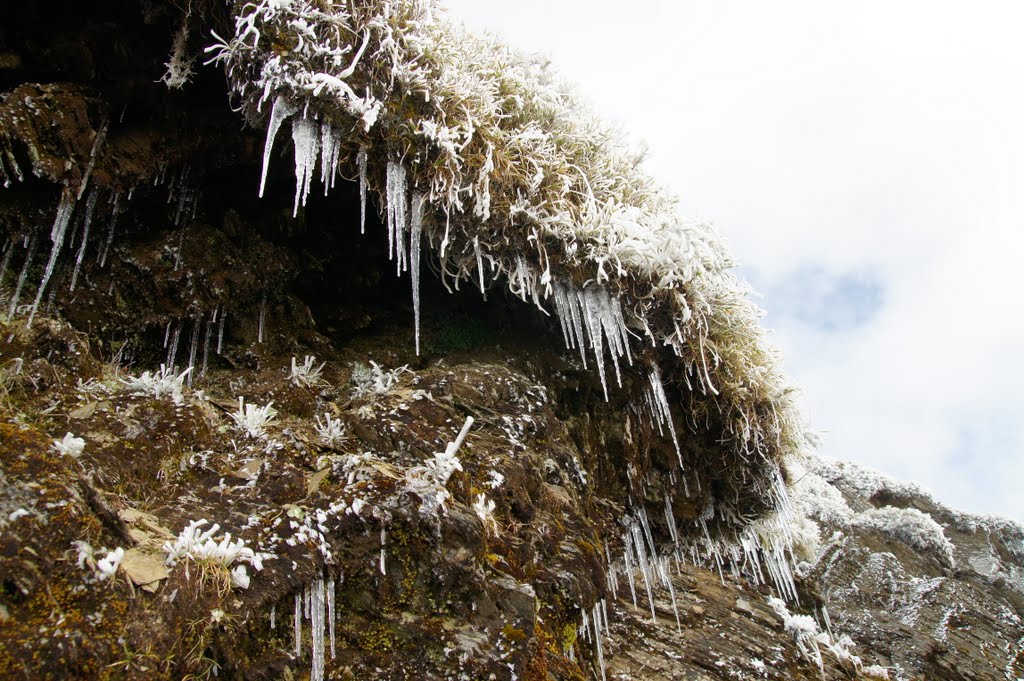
pixel 630 563
pixel 60 226
pixel 96 144
pixel 196 326
pixel 479 265
pixel 263 315
pixel 416 228
pixel 317 633
pixel 330 152
pixel 206 343
pixel 396 216
pixel 273 617
pixel 173 351
pixel 114 213
pixel 661 412
pixel 330 612
pixel 90 207
pixel 8 252
pixel 167 334
pixel 29 254
pixel 597 639
pixel 177 251
pixel 361 163
pixel 383 542
pixel 281 110
pixel 220 330
pixel 307 144
pixel 298 625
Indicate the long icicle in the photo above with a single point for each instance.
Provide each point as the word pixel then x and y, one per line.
pixel 416 228
pixel 281 110
pixel 60 226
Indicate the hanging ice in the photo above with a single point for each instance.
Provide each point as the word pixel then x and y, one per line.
pixel 416 229
pixel 361 163
pixel 330 151
pixel 29 254
pixel 591 316
pixel 306 140
pixel 90 207
pixel 396 212
pixel 281 110
pixel 660 408
pixel 317 629
pixel 60 226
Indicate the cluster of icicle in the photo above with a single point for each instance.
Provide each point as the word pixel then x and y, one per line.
pixel 762 552
pixel 314 605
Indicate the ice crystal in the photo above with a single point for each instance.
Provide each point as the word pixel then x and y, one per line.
pixel 253 420
pixel 161 384
pixel 69 445
pixel 306 374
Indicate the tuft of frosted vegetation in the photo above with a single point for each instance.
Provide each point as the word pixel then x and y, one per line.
pixel 330 431
pixel 307 374
pixel 161 384
pixel 810 641
pixel 69 445
pixel 914 528
pixel 253 420
pixel 429 481
pixel 487 157
pixel 102 568
pixel 199 545
pixel 373 379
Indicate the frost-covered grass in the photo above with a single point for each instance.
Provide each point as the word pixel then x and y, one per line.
pixel 374 379
pixel 160 384
pixel 253 420
pixel 307 374
pixel 199 546
pixel 69 445
pixel 484 156
pixel 330 431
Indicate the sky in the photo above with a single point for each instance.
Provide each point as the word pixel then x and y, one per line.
pixel 865 162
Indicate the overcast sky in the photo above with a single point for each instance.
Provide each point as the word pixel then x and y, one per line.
pixel 865 161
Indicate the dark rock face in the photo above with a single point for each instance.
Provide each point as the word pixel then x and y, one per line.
pixel 370 548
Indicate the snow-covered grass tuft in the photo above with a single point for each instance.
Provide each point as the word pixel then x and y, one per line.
pixel 914 528
pixel 484 509
pixel 306 374
pixel 375 380
pixel 160 384
pixel 102 568
pixel 69 445
pixel 253 420
pixel 330 431
pixel 199 546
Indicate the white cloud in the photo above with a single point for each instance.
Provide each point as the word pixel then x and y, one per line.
pixel 832 143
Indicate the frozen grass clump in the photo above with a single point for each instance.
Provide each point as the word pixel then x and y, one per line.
pixel 69 445
pixel 306 374
pixel 915 529
pixel 330 431
pixel 161 384
pixel 253 420
pixel 214 558
pixel 373 379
